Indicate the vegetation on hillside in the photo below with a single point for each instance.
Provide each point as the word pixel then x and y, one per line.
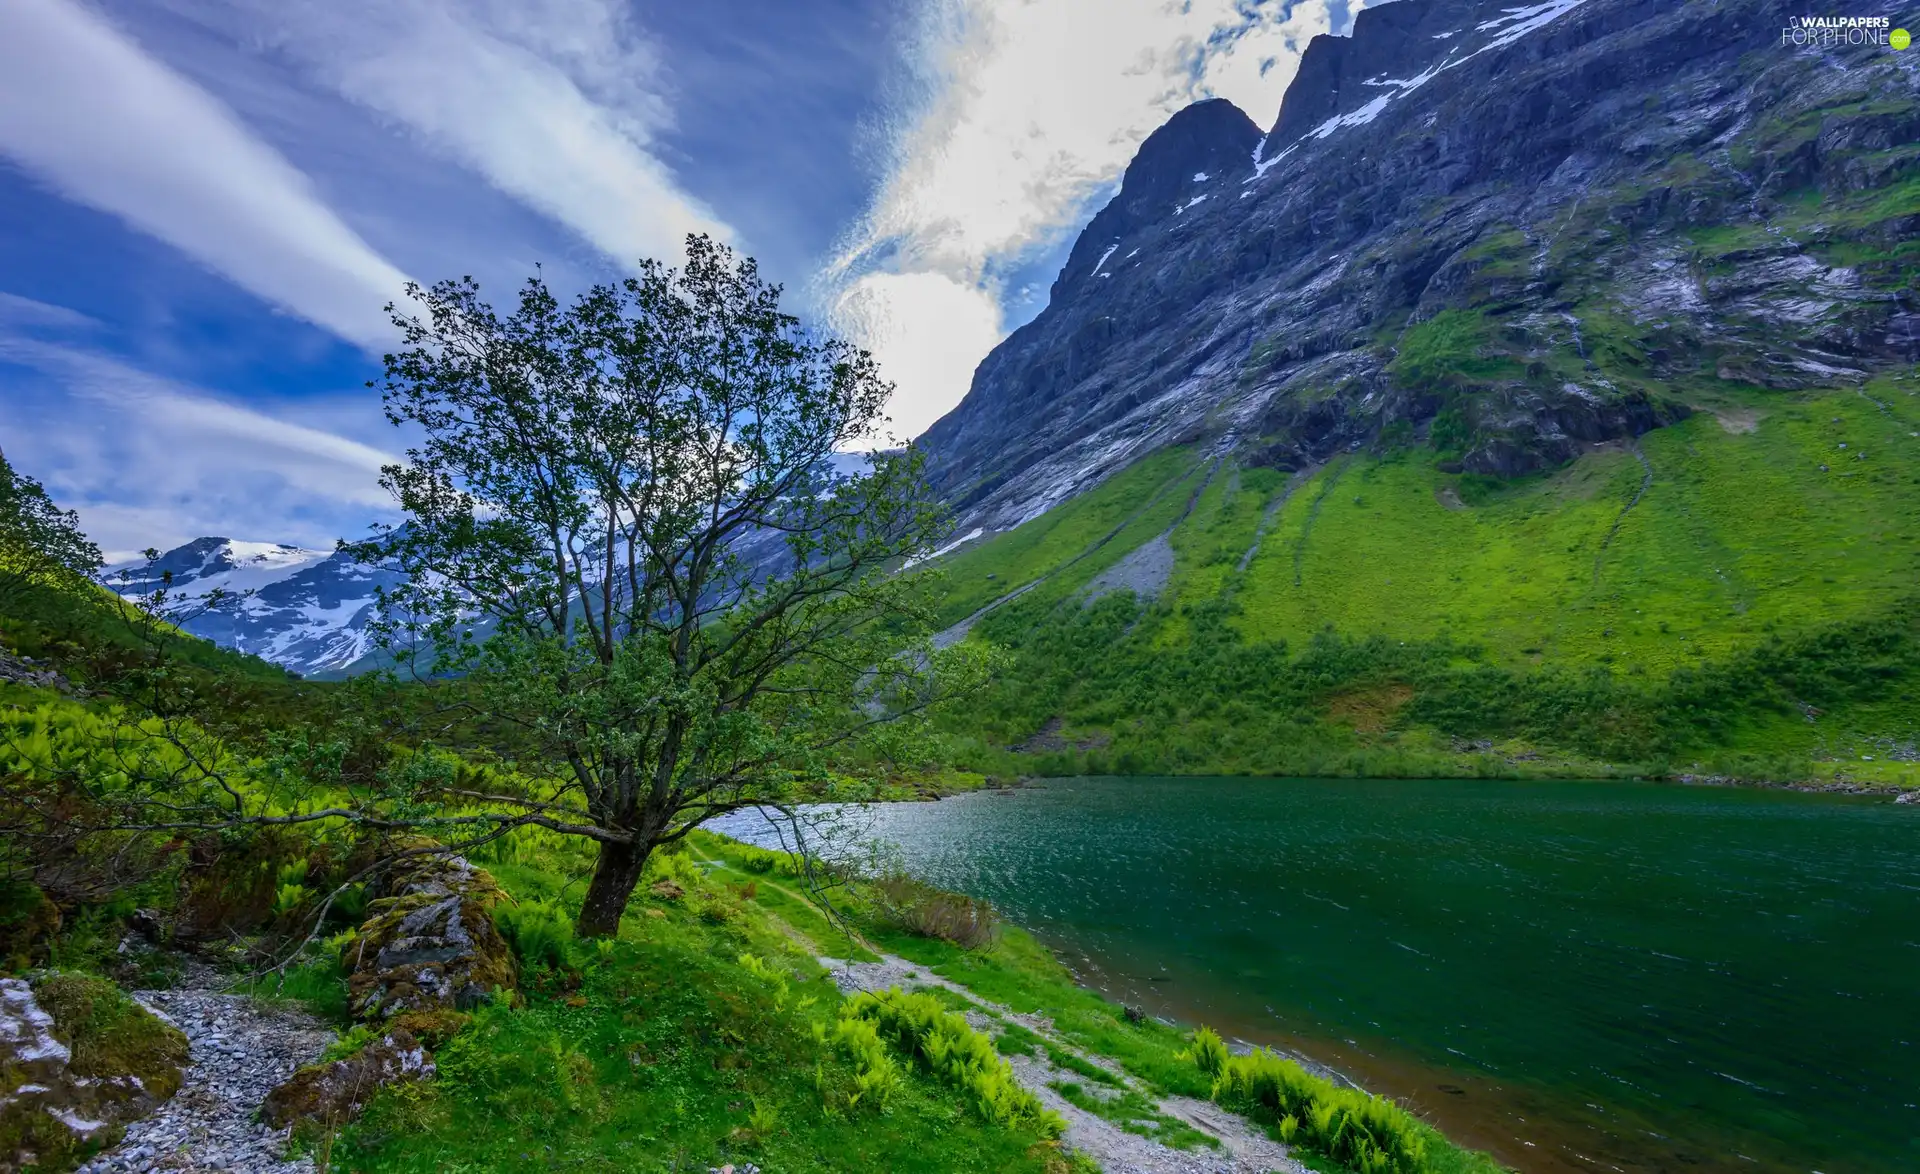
pixel 1734 597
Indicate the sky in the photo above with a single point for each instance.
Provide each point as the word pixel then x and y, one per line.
pixel 205 204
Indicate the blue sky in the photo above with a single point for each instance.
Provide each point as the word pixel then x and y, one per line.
pixel 204 203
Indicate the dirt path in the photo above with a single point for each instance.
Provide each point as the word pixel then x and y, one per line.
pixel 1242 1149
pixel 239 1049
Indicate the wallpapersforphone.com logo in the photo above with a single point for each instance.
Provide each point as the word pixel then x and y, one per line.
pixel 1832 32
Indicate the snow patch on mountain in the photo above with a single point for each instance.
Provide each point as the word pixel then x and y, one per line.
pixel 310 611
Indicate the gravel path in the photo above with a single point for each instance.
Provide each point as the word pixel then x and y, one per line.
pixel 239 1050
pixel 1243 1149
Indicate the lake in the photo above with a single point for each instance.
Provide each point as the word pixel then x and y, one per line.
pixel 1581 976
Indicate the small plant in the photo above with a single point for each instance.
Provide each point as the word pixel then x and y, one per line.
pixel 290 889
pixel 876 1077
pixel 777 981
pixel 764 1119
pixel 1208 1052
pixel 540 934
pixel 1367 1133
pixel 940 1040
pixel 1017 1041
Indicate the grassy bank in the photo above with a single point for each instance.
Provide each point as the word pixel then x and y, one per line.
pixel 709 1033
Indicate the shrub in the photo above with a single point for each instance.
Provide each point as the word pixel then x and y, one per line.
pixel 764 860
pixel 942 1042
pixel 921 909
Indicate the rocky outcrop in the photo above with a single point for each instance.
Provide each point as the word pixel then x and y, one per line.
pixel 427 952
pixel 78 1062
pixel 429 942
pixel 1624 205
pixel 334 1093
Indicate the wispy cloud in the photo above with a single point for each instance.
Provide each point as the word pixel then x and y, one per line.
pixel 1020 114
pixel 148 461
pixel 83 108
pixel 554 102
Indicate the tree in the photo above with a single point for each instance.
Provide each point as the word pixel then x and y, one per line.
pixel 629 552
pixel 41 544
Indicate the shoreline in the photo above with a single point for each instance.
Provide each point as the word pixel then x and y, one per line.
pixel 1498 1113
pixel 1907 791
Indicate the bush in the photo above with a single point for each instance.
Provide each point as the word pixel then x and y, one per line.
pixel 921 909
pixel 941 1041
pixel 764 860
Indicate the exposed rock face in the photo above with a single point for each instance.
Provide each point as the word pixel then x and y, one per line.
pixel 334 1093
pixel 430 944
pixel 1506 230
pixel 78 1061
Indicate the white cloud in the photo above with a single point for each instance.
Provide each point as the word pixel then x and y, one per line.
pixel 928 331
pixel 85 109
pixel 148 461
pixel 554 102
pixel 21 313
pixel 1023 112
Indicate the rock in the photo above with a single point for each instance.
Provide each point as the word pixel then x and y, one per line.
pixel 331 1094
pixel 1538 181
pixel 430 944
pixel 24 670
pixel 667 890
pixel 78 1061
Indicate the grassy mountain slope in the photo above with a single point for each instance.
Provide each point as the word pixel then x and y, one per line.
pixel 1681 597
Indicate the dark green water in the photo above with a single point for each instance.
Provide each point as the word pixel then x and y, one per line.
pixel 1578 976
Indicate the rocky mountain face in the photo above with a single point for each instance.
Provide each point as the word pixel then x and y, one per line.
pixel 307 610
pixel 1504 231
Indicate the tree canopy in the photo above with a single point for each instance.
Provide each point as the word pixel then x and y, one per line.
pixel 634 548
pixel 40 543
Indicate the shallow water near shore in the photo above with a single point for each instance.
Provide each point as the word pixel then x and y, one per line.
pixel 1581 976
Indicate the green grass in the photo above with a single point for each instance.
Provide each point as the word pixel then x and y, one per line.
pixel 1018 973
pixel 1135 1114
pixel 1004 562
pixel 666 1050
pixel 1454 348
pixel 1355 1130
pixel 1394 611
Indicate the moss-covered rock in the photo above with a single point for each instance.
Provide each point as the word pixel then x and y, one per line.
pixel 78 1061
pixel 330 1094
pixel 429 943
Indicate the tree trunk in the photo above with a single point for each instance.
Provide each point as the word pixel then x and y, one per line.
pixel 614 876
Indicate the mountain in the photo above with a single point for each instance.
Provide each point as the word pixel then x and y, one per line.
pixel 1537 393
pixel 1512 231
pixel 307 610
